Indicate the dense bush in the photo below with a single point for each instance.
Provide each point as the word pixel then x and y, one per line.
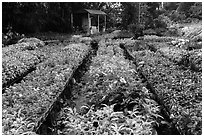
pixel 196 10
pixel 149 32
pixel 186 12
pixel 11 38
pixel 172 31
pixel 160 31
pixel 124 34
pixel 177 17
pixel 159 23
pixel 136 29
pixel 165 20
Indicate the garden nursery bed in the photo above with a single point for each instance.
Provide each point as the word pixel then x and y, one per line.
pixel 101 85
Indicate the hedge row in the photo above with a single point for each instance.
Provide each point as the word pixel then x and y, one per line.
pixel 181 90
pixel 25 104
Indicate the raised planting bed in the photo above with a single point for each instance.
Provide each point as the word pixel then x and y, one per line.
pixel 154 38
pixel 195 59
pixel 110 99
pixel 123 34
pixel 174 53
pixel 186 44
pixel 25 105
pixel 22 46
pixel 180 90
pixel 190 59
pixel 193 32
pixel 134 45
pixel 18 64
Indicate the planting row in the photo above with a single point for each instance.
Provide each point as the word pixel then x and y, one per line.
pixel 19 59
pixel 190 59
pixel 26 103
pixel 184 43
pixel 180 90
pixel 18 64
pixel 112 95
pixel 154 38
pixel 23 44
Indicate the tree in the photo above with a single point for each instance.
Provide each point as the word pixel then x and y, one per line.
pixel 184 6
pixel 196 10
pixel 130 14
pixel 29 17
pixel 170 5
pixel 114 14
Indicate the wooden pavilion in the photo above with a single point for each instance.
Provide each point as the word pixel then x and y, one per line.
pixel 89 21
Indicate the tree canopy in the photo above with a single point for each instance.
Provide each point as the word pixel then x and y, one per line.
pixel 30 17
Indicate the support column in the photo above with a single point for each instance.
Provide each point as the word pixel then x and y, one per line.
pixel 139 13
pixel 98 23
pixel 72 21
pixel 105 24
pixel 162 5
pixel 89 24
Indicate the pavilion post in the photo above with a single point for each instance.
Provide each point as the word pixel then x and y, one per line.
pixel 98 23
pixel 105 24
pixel 89 24
pixel 72 21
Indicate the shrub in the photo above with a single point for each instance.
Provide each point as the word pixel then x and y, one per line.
pixel 196 10
pixel 160 31
pixel 173 31
pixel 149 32
pixel 136 29
pixel 38 42
pixel 177 17
pixel 123 34
pixel 11 38
pixel 166 20
pixel 159 23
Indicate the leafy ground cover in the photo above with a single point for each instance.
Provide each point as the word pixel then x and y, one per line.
pixel 25 103
pixel 193 31
pixel 51 36
pixel 154 38
pixel 134 45
pixel 112 95
pixel 191 59
pixel 22 45
pixel 18 64
pixel 19 59
pixel 181 90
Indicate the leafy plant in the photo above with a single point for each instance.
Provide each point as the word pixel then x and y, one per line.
pixel 174 86
pixel 112 96
pixel 39 89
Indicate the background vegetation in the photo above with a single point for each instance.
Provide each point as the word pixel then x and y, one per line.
pixel 33 17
